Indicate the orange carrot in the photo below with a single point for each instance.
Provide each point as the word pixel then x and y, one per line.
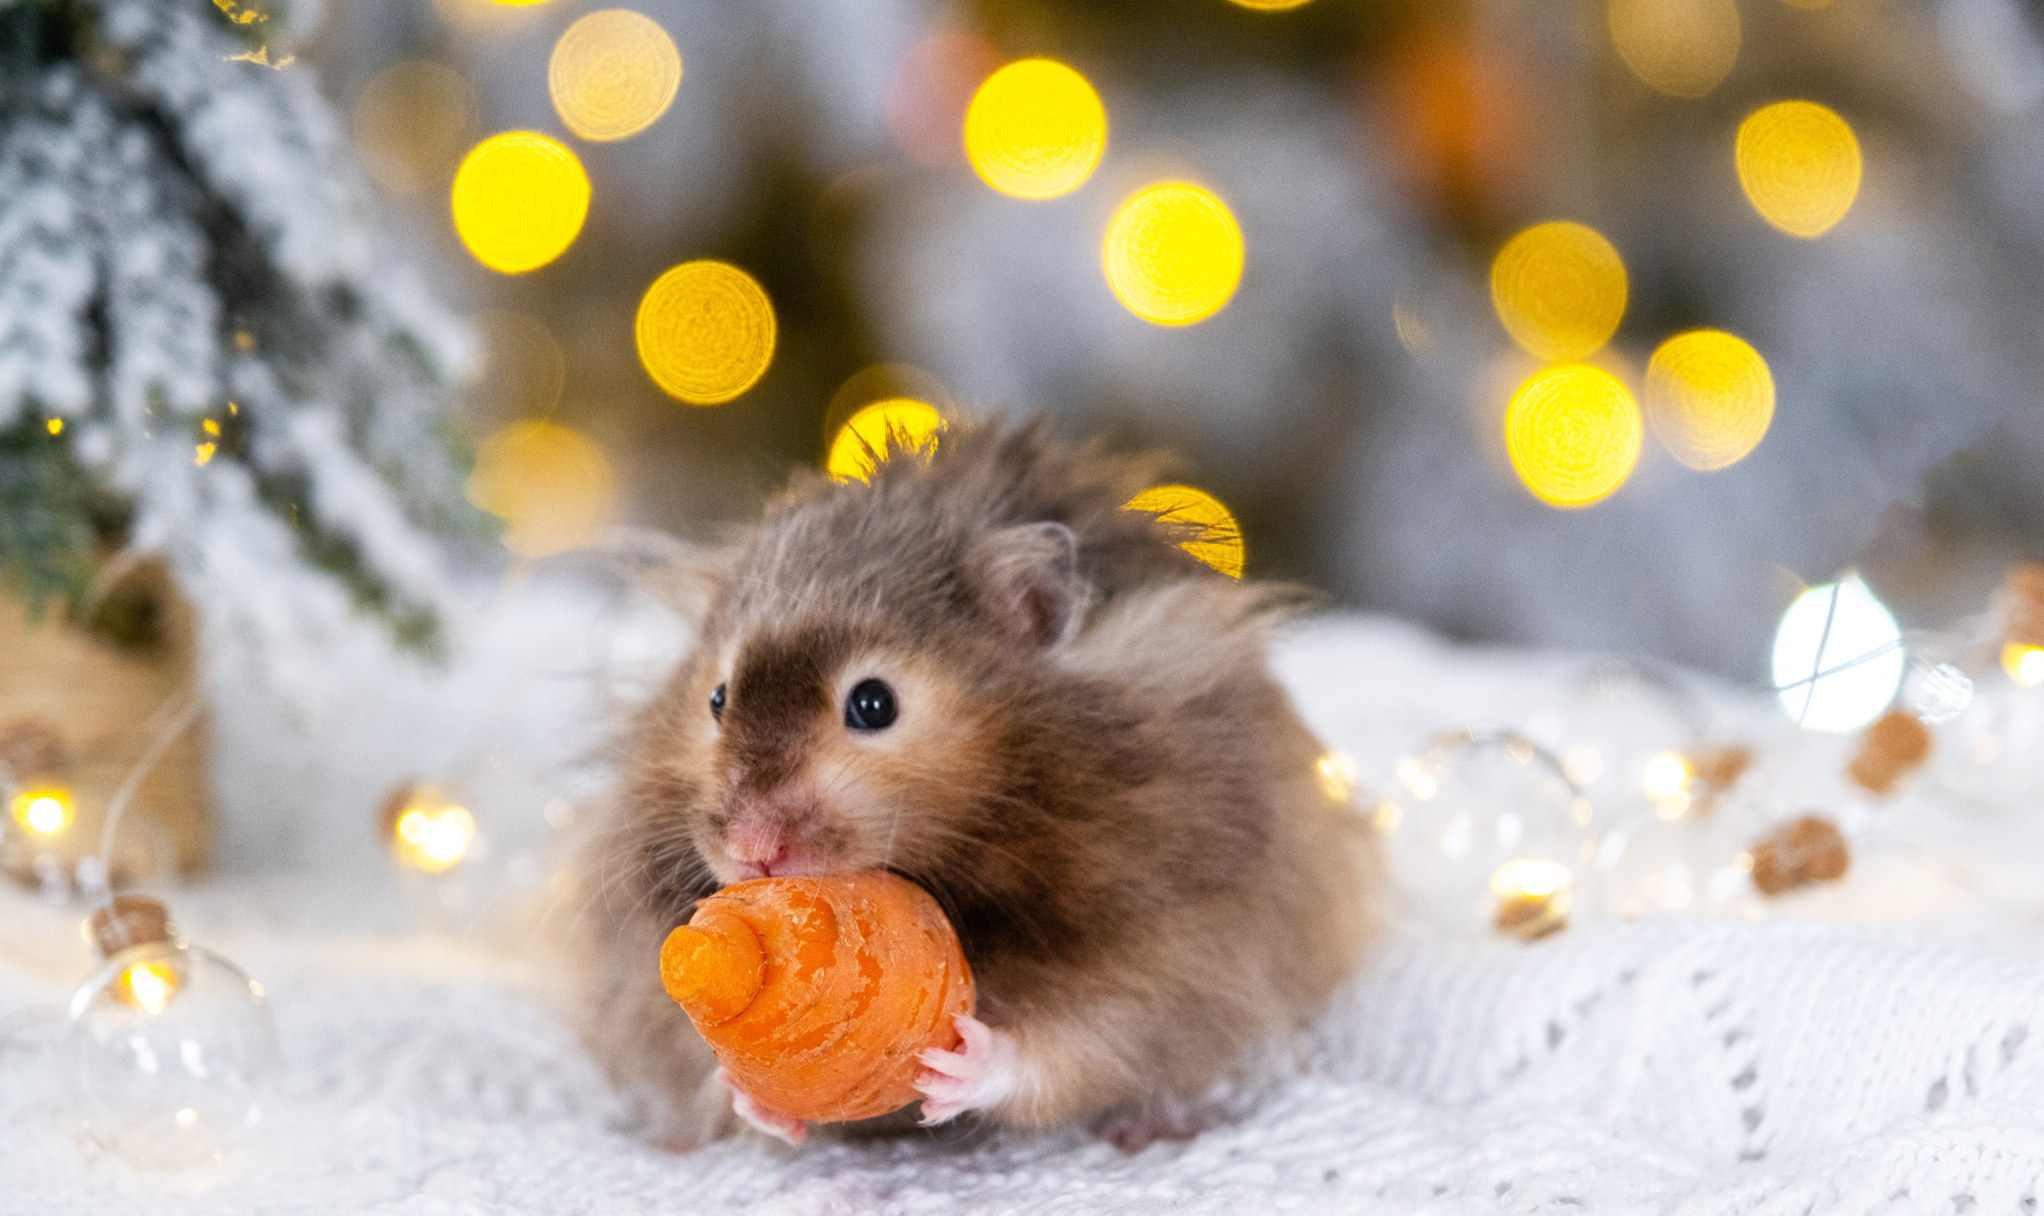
pixel 818 994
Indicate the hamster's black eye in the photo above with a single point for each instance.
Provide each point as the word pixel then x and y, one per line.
pixel 717 703
pixel 870 707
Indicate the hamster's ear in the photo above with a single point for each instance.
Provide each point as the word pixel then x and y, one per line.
pixel 1027 578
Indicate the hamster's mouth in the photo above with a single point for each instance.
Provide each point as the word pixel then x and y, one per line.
pixel 783 867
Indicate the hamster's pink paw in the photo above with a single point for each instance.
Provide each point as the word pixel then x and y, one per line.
pixel 979 1074
pixel 763 1118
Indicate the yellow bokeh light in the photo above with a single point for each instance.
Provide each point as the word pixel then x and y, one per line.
pixel 1219 543
pixel 44 810
pixel 1337 773
pixel 1573 434
pixel 913 425
pixel 1665 775
pixel 433 838
pixel 1035 129
pixel 1272 6
pixel 148 986
pixel 882 382
pixel 1681 47
pixel 1173 254
pixel 489 18
pixel 551 484
pixel 411 123
pixel 613 74
pixel 1799 164
pixel 2025 664
pixel 432 834
pixel 1559 289
pixel 1709 397
pixel 54 426
pixel 705 332
pixel 519 200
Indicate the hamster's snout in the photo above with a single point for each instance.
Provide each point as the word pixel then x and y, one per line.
pixel 776 836
pixel 761 850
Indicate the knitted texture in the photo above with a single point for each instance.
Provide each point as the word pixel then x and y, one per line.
pixel 1678 1065
pixel 1682 1067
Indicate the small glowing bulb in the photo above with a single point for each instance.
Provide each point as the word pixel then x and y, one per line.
pixel 705 332
pixel 1665 775
pixel 519 200
pixel 1219 542
pixel 1173 254
pixel 1799 164
pixel 148 986
pixel 44 811
pixel 1838 657
pixel 1573 434
pixel 2025 664
pixel 1035 129
pixel 1533 896
pixel 863 440
pixel 1337 776
pixel 1559 289
pixel 1415 778
pixel 613 73
pixel 434 837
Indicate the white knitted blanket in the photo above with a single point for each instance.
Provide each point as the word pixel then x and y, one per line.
pixel 1678 1065
pixel 1685 1067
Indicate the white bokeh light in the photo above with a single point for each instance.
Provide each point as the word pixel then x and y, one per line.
pixel 1838 657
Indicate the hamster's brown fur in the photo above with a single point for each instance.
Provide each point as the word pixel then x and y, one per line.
pixel 1092 771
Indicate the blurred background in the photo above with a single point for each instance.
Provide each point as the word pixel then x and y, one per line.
pixel 1608 327
pixel 1347 402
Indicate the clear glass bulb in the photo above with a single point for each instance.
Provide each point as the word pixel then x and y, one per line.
pixel 172 1049
pixel 1485 836
pixel 1697 863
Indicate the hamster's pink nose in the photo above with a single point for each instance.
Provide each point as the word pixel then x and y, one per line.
pixel 759 850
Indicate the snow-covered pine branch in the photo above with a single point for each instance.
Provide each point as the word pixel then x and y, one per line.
pixel 194 322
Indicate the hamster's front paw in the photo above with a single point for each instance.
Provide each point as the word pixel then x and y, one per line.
pixel 763 1118
pixel 979 1074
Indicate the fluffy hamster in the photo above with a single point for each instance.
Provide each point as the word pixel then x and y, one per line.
pixel 982 673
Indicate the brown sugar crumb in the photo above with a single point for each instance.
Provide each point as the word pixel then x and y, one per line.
pixel 1890 749
pixel 1719 768
pixel 1810 850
